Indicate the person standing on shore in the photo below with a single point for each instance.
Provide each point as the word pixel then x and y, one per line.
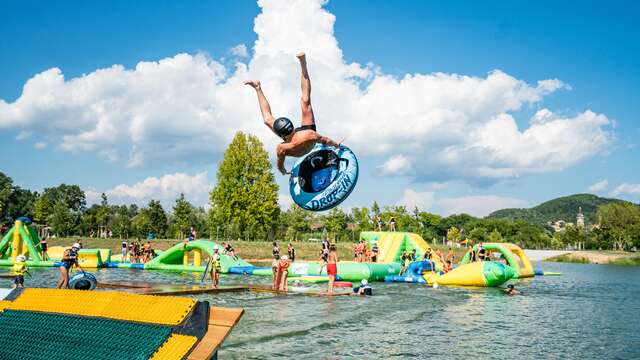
pixel 291 251
pixel 392 224
pixel 332 266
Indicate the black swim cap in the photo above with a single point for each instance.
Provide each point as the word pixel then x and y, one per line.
pixel 283 127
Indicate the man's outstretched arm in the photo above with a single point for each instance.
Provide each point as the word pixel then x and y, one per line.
pixel 265 109
pixel 281 152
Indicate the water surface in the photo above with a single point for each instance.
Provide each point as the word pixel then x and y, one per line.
pixel 593 311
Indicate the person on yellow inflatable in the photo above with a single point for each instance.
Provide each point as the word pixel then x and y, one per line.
pixel 299 141
pixel 19 269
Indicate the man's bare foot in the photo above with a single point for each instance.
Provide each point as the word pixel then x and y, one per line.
pixel 302 57
pixel 253 83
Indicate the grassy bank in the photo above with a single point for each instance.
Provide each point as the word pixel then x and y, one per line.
pixel 599 257
pixel 248 250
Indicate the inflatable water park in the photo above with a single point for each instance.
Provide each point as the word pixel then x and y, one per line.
pixel 505 261
pixel 110 325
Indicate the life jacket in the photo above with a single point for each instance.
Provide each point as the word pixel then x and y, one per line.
pixel 19 267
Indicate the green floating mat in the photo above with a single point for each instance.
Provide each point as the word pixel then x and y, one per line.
pixel 30 335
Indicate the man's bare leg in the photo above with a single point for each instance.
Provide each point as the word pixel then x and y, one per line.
pixel 305 84
pixel 265 109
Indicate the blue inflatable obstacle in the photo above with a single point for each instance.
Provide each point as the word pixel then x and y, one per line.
pixel 324 178
pixel 414 272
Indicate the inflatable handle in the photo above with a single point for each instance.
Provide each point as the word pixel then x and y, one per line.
pixel 346 162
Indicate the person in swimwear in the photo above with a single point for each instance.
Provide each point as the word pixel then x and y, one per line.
pixel 215 268
pixel 69 258
pixel 299 141
pixel 511 290
pixel 332 266
pixel 274 272
pixel 283 268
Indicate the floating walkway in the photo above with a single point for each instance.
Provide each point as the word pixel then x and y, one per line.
pixel 73 324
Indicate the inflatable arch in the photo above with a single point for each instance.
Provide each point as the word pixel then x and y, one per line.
pixel 515 256
pixel 179 257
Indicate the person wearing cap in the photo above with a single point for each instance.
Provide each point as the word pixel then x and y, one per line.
pixel 19 269
pixel 69 258
pixel 214 267
pixel 511 290
pixel 363 289
pixel 297 141
pixel 283 271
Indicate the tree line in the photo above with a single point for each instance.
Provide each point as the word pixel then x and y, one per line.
pixel 243 205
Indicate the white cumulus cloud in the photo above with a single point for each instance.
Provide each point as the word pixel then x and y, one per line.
pixel 187 107
pixel 239 50
pixel 422 200
pixel 626 189
pixel 599 186
pixel 165 189
pixel 478 205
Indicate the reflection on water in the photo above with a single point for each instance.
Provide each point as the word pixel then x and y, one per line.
pixel 593 311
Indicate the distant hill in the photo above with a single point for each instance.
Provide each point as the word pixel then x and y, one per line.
pixel 563 208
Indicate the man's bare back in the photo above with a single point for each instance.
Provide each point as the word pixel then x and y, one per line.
pixel 297 142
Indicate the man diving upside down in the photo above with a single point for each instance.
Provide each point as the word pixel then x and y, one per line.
pixel 299 141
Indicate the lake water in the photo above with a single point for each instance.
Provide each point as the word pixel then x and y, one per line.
pixel 592 311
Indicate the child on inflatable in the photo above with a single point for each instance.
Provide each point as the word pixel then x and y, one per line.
pixel 19 269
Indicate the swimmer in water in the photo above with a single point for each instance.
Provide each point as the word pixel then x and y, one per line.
pixel 297 141
pixel 511 290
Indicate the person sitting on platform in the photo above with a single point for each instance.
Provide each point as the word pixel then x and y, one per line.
pixel 447 267
pixel 228 250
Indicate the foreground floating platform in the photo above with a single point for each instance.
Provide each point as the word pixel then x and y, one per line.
pixel 73 324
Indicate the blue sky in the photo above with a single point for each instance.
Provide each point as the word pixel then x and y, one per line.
pixel 589 48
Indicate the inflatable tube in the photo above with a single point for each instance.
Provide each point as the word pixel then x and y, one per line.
pixel 83 281
pixel 342 284
pixel 324 178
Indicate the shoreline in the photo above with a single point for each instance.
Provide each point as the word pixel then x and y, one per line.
pixel 598 258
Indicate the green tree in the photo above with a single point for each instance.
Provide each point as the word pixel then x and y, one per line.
pixel 62 219
pixel 121 221
pixel 182 216
pixel 103 215
pixel 42 209
pixel 620 225
pixel 71 195
pixel 336 222
pixel 140 224
pixel 6 187
pixel 157 218
pixel 244 200
pixel 495 236
pixel 453 234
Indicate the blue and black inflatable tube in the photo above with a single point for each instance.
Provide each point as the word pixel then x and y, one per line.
pixel 324 178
